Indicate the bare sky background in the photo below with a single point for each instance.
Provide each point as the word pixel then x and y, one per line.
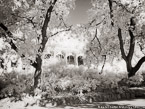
pixel 79 14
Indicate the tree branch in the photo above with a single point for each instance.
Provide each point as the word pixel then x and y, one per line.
pixel 68 29
pixel 97 40
pixel 103 64
pixel 121 44
pixel 61 19
pixel 132 39
pixel 137 66
pixel 132 45
pixel 10 41
pixel 93 54
pixel 30 20
pixel 9 38
pixel 97 23
pixel 111 12
pixel 45 25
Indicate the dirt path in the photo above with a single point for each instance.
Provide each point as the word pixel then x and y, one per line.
pixel 134 102
pixel 6 104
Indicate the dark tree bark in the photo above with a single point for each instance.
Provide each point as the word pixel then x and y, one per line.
pixel 111 11
pixel 103 64
pixel 38 62
pixel 38 67
pixel 128 58
pixel 38 70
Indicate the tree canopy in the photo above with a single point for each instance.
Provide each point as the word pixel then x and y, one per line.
pixel 122 19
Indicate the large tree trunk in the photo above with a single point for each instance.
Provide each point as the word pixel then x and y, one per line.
pixel 128 58
pixel 38 67
pixel 38 70
pixel 38 62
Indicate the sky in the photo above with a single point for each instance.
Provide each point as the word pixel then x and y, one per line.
pixel 79 14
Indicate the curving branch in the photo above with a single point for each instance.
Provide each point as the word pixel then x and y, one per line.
pixel 29 20
pixel 68 29
pixel 61 19
pixel 97 24
pixel 137 66
pixel 103 64
pixel 95 36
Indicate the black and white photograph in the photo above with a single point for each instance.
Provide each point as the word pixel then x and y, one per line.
pixel 72 54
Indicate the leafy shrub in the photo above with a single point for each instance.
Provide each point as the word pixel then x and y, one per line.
pixel 62 79
pixel 134 81
pixel 14 84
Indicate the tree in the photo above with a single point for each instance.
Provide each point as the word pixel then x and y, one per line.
pixel 122 19
pixel 29 27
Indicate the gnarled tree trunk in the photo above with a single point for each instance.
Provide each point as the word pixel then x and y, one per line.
pixel 128 58
pixel 38 63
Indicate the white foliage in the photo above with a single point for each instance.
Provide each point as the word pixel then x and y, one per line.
pixel 126 1
pixel 17 3
pixel 67 42
pixel 18 33
pixel 117 66
pixel 131 3
pixel 141 19
pixel 38 2
pixel 20 3
pixel 2 44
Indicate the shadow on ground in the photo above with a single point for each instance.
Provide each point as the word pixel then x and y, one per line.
pixel 124 104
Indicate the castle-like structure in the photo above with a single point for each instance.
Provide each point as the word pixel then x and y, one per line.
pixel 67 48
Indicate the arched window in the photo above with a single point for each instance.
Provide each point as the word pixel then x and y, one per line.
pixel 13 64
pixel 60 56
pixel 70 59
pixel 1 63
pixel 80 60
pixel 47 56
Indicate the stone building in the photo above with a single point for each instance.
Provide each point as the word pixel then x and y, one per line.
pixel 67 48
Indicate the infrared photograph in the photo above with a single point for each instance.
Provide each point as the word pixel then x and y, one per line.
pixel 72 54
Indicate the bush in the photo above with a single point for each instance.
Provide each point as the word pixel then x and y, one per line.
pixel 135 81
pixel 61 79
pixel 14 85
pixel 83 85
